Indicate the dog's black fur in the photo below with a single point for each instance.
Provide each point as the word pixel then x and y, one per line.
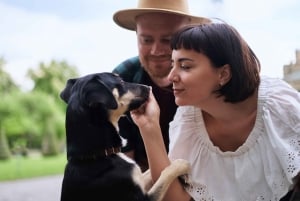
pixel 95 169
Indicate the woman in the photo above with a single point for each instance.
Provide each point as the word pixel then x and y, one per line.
pixel 239 131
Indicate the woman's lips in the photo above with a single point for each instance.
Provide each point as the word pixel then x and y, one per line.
pixel 177 91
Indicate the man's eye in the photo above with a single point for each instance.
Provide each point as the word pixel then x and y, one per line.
pixel 146 40
pixel 166 40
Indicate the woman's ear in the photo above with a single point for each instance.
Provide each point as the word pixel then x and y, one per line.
pixel 224 74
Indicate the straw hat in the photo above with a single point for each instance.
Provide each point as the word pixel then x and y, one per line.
pixel 126 18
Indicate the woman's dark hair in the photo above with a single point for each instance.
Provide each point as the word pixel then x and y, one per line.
pixel 222 44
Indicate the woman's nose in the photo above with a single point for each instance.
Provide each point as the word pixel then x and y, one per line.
pixel 173 77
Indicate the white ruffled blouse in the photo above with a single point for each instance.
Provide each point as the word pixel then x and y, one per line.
pixel 262 169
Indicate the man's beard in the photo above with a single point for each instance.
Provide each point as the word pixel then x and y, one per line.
pixel 157 70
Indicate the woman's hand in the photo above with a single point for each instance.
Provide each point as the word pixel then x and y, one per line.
pixel 147 116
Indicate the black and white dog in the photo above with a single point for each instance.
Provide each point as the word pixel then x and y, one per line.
pixel 96 170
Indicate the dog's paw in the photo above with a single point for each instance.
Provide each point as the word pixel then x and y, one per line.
pixel 182 166
pixel 177 168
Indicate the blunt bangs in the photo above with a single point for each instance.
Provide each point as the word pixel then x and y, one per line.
pixel 188 38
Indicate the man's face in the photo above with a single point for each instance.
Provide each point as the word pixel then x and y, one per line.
pixel 154 31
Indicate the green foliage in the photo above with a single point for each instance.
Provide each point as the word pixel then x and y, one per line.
pixel 35 119
pixel 25 115
pixel 4 148
pixel 52 78
pixel 50 143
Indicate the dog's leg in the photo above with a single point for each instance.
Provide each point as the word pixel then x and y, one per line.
pixel 147 178
pixel 168 175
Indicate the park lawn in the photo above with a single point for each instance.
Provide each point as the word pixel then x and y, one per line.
pixel 19 167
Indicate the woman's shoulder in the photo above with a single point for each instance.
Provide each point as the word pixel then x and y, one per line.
pixel 279 101
pixel 276 88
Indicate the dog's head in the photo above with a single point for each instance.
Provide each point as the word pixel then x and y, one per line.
pixel 105 90
pixel 96 100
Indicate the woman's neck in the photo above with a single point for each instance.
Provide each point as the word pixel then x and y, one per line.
pixel 229 125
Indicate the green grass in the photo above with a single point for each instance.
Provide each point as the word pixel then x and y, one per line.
pixel 34 166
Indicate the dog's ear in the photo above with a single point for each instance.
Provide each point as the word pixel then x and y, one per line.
pixel 103 95
pixel 66 92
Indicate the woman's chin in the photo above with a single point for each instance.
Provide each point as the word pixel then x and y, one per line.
pixel 180 102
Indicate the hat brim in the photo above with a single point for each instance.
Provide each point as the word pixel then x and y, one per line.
pixel 126 18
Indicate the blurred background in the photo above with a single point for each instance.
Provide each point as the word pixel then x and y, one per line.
pixel 45 42
pixel 83 34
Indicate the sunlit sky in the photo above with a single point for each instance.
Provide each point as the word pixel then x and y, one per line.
pixel 82 32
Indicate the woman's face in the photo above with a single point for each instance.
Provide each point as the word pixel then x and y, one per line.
pixel 194 78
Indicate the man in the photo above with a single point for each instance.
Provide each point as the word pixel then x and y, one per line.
pixel 154 22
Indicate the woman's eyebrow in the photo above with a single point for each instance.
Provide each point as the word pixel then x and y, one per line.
pixel 185 59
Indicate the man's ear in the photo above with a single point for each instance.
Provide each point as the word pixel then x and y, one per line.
pixel 100 94
pixel 66 92
pixel 224 74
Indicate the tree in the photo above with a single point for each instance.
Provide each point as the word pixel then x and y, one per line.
pixel 52 78
pixel 6 82
pixel 4 148
pixel 34 119
pixel 25 117
pixel 50 145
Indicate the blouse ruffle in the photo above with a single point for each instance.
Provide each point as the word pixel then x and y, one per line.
pixel 263 168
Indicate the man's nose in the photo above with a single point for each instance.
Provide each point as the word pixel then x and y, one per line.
pixel 159 48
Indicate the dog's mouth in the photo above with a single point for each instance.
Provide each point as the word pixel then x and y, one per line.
pixel 137 102
pixel 140 95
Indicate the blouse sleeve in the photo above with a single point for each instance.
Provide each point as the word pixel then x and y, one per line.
pixel 281 114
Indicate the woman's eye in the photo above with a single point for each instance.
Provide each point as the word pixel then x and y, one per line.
pixel 185 67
